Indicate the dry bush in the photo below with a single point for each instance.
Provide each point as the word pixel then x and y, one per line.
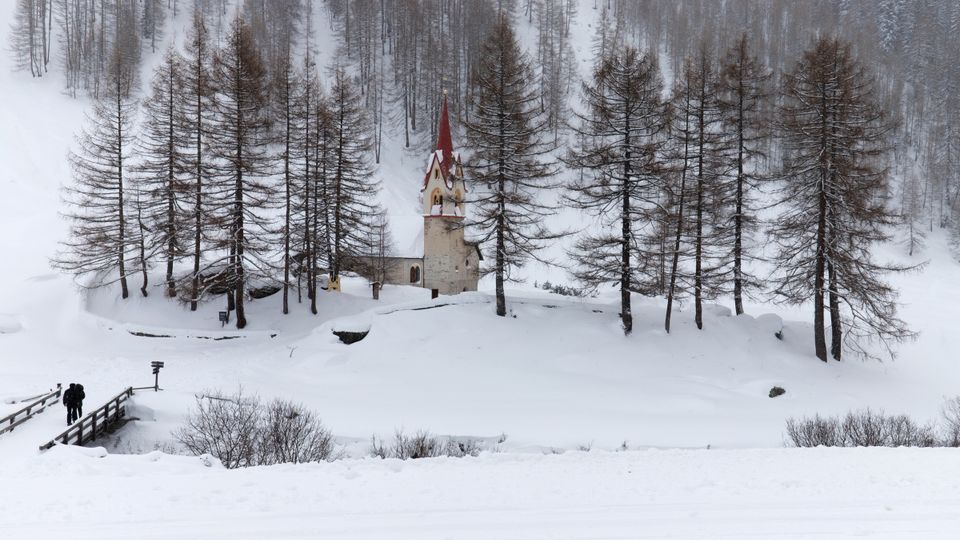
pixel 950 413
pixel 860 428
pixel 463 448
pixel 816 431
pixel 294 434
pixel 423 445
pixel 226 427
pixel 242 432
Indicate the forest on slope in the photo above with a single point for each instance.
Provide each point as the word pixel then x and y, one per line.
pixel 395 61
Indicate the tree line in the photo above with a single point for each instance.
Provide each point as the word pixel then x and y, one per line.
pixel 248 170
pixel 674 181
pixel 228 163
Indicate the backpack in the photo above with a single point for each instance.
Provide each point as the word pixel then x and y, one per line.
pixel 79 393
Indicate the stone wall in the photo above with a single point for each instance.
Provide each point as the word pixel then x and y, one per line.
pixel 449 264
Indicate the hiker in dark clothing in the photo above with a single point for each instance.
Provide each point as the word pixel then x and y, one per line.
pixel 78 399
pixel 69 400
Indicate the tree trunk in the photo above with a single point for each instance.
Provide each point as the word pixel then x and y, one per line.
pixel 121 247
pixel 836 330
pixel 818 331
pixel 738 218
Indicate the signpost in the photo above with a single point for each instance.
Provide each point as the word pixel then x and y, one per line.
pixel 224 318
pixel 156 374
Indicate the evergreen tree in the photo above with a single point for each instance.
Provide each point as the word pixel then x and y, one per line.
pixel 619 142
pixel 836 137
pixel 508 168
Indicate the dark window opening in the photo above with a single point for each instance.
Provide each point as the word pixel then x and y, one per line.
pixel 414 274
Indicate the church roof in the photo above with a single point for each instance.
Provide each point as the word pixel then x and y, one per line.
pixel 444 153
pixel 444 139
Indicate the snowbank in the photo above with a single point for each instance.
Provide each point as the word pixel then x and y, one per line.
pixel 785 493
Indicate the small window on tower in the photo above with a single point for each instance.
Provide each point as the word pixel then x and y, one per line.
pixel 436 173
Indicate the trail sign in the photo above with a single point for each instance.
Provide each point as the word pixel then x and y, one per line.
pixel 156 374
pixel 224 318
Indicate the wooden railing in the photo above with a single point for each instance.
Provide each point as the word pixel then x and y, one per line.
pixel 93 424
pixel 37 406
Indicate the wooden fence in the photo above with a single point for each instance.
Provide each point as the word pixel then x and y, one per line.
pixel 35 407
pixel 93 424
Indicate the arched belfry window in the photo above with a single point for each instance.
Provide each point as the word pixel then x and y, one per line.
pixel 436 198
pixel 414 274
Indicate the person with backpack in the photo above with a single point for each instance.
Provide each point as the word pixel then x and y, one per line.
pixel 69 401
pixel 78 399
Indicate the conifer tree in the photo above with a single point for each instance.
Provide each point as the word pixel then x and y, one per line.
pixel 508 168
pixel 310 127
pixel 682 131
pixel 242 188
pixel 196 110
pixel 836 137
pixel 618 151
pixel 707 166
pixel 348 183
pixel 102 234
pixel 285 82
pixel 743 95
pixel 163 194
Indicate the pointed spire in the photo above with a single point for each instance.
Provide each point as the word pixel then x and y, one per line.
pixel 444 140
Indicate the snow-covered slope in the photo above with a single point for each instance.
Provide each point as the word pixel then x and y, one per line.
pixel 805 494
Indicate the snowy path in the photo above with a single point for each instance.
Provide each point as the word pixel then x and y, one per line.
pixel 781 493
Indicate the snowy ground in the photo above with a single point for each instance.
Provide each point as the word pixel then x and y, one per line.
pixel 811 493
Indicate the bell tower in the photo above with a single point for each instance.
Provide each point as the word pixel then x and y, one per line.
pixel 447 259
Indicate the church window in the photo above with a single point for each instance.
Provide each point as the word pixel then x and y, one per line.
pixel 436 173
pixel 414 274
pixel 436 199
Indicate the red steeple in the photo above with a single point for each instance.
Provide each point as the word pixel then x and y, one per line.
pixel 444 140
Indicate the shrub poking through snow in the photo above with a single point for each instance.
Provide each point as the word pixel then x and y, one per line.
pixel 241 431
pixel 951 422
pixel 423 445
pixel 777 391
pixel 861 428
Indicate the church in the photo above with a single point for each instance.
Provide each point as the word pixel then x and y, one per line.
pixel 448 262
